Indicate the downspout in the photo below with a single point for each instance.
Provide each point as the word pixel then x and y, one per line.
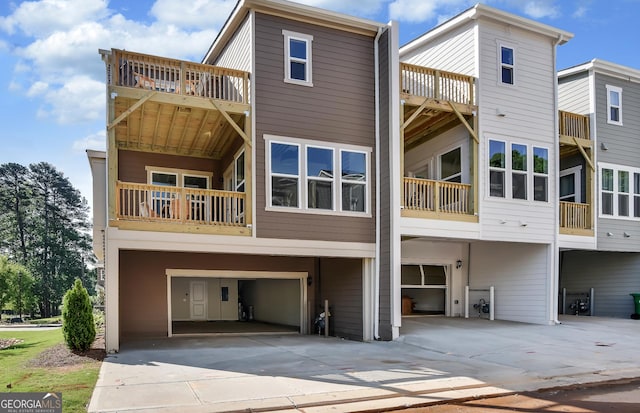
pixel 376 271
pixel 555 283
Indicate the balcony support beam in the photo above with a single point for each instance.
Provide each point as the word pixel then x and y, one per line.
pixel 129 111
pixel 584 154
pixel 228 118
pixel 464 122
pixel 416 113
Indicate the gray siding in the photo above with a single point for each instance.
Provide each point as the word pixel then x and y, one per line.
pixel 341 284
pixel 338 108
pixel 573 93
pixel 613 276
pixel 623 143
pixel 385 252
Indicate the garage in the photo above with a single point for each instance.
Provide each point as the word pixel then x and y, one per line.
pixel 236 302
pixel 424 289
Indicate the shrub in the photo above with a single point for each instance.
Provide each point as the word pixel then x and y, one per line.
pixel 78 326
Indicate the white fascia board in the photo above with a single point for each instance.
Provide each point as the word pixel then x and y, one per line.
pixel 231 244
pixel 481 10
pixel 93 154
pixel 605 68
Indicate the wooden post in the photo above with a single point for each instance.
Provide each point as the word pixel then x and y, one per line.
pixel 326 318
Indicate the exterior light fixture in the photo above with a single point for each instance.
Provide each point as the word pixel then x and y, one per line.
pixel 458 264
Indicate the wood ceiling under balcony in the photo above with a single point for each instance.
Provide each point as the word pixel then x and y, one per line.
pixel 188 126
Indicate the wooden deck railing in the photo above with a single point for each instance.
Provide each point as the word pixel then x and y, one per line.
pixel 575 215
pixel 574 125
pixel 437 196
pixel 177 76
pixel 142 202
pixel 436 84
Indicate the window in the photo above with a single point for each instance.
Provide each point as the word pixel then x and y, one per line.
pixel 451 166
pixel 497 168
pixel 614 105
pixel 518 176
pixel 303 176
pixel 571 184
pixel 297 58
pixel 163 202
pixel 619 191
pixel 540 174
pixel 519 171
pixel 507 65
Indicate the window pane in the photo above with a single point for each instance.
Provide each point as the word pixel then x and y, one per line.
pixel 540 190
pixel 319 162
pixel 607 179
pixel 636 183
pixel 240 169
pixel 518 157
pixel 195 182
pixel 284 191
pixel 298 49
pixel 623 181
pixel 623 205
pixel 540 160
pixel 496 154
pixel 519 186
pixel 567 185
pixel 636 206
pixel 353 197
pixel 284 159
pixel 614 98
pixel 158 178
pixel 507 75
pixel 507 56
pixel 320 194
pixel 410 275
pixel 450 164
pixel 496 187
pixel 607 204
pixel 354 166
pixel 434 275
pixel 615 114
pixel 298 71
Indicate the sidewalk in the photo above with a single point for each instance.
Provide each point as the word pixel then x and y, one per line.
pixel 436 359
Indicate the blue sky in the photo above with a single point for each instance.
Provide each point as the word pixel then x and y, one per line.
pixel 52 101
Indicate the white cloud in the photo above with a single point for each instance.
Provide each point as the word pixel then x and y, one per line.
pixel 38 88
pixel 80 99
pixel 360 7
pixel 416 11
pixel 40 18
pixel 580 11
pixel 95 141
pixel 536 9
pixel 192 14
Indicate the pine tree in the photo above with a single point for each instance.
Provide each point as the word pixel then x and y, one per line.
pixel 78 327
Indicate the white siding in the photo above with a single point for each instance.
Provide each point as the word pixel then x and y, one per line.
pixel 529 119
pixel 453 53
pixel 237 53
pixel 573 93
pixel 520 275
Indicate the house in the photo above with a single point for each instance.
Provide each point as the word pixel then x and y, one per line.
pixel 473 183
pixel 245 187
pixel 603 255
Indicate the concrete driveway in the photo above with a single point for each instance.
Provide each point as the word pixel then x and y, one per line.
pixel 436 359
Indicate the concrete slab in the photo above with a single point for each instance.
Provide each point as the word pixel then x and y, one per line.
pixel 435 359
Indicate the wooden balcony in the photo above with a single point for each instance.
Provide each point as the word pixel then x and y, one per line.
pixel 425 198
pixel 573 125
pixel 423 82
pixel 575 218
pixel 162 208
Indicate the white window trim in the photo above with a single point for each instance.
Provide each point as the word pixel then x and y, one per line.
pixel 180 174
pixel 576 171
pixel 615 192
pixel 338 148
pixel 610 105
pixel 500 45
pixel 308 39
pixel 462 163
pixel 508 171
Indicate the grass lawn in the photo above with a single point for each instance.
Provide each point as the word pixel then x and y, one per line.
pixel 75 381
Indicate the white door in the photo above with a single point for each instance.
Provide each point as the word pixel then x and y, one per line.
pixel 198 300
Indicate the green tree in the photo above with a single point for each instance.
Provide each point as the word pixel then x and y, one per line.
pixel 5 276
pixel 16 286
pixel 78 327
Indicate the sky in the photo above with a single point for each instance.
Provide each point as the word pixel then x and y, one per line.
pixel 52 93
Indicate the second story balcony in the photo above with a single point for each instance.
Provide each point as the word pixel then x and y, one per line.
pixel 440 144
pixel 576 174
pixel 179 145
